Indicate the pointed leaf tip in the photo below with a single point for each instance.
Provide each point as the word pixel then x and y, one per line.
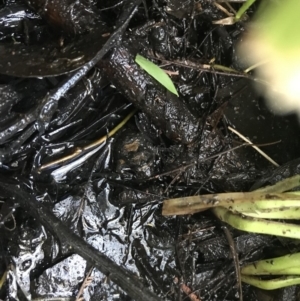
pixel 156 72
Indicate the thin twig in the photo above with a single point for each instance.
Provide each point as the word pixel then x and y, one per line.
pixel 3 279
pixel 254 146
pixel 256 65
pixel 86 282
pixel 223 9
pixel 215 68
pixel 235 258
pixel 182 168
pixel 230 7
pixel 172 182
pixel 96 143
pixel 170 73
pixel 212 68
pixel 127 280
pixel 49 102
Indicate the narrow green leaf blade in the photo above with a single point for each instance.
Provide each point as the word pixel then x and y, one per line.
pixel 156 72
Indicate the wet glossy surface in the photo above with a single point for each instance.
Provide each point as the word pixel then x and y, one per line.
pixel 50 59
pixel 110 196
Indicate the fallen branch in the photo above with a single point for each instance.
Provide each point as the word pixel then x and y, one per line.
pixel 127 281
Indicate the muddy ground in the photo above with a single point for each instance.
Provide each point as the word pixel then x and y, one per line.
pixel 81 206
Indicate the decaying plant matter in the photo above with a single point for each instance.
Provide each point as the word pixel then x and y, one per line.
pixel 91 145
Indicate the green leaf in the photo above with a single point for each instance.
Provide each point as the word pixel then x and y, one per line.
pixel 279 25
pixel 156 72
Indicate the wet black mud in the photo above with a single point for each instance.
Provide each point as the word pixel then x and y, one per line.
pixel 81 206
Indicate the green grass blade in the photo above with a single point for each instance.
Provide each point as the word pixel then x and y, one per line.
pixel 293 213
pixel 284 265
pixel 281 186
pixel 262 226
pixel 156 73
pixel 271 284
pixel 240 201
pixel 243 9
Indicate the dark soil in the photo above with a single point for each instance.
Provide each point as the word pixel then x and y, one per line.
pixel 79 214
